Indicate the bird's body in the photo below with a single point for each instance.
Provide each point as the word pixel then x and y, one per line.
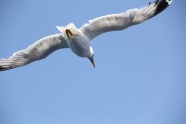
pixel 78 40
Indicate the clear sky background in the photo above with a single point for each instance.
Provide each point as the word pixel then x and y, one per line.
pixel 140 74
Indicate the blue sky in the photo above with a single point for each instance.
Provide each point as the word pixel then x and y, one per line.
pixel 140 74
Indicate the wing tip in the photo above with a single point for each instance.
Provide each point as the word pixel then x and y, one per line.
pixel 4 68
pixel 169 1
pixel 4 65
pixel 161 5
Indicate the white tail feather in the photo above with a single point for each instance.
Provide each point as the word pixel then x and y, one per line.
pixel 61 29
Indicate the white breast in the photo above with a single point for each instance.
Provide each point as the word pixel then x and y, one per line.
pixel 79 45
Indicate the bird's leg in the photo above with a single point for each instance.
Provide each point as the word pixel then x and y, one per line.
pixel 68 32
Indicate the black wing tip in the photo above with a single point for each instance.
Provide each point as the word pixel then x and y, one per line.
pixel 161 5
pixel 4 68
pixel 162 1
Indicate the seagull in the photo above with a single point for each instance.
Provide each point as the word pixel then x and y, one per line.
pixel 78 40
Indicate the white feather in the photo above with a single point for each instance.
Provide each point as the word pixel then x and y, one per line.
pixel 39 50
pixel 114 22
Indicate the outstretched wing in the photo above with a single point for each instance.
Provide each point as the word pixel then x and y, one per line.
pixel 123 20
pixel 39 50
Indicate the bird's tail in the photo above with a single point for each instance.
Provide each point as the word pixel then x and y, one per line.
pixel 61 29
pixel 70 26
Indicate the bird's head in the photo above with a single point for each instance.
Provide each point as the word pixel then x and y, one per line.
pixel 91 57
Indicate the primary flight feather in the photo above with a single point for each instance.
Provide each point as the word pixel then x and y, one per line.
pixel 78 40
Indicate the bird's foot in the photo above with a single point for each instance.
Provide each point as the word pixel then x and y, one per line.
pixel 69 33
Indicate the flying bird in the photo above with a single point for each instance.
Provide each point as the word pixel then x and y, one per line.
pixel 78 40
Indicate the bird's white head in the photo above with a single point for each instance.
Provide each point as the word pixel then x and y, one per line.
pixel 91 58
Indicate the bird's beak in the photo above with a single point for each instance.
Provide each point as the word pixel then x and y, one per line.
pixel 92 61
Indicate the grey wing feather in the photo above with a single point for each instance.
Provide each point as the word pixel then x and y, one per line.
pixel 39 50
pixel 123 20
